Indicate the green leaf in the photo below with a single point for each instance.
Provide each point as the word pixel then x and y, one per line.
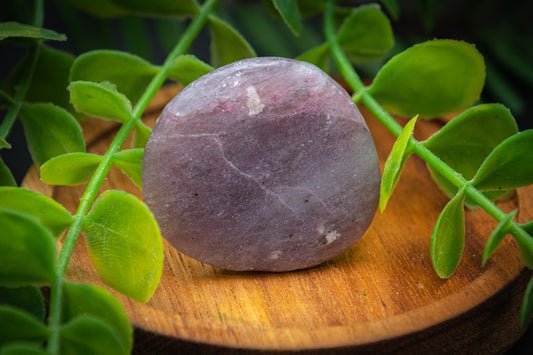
pixel 19 325
pixel 187 68
pixel 100 100
pixel 141 134
pixel 27 251
pixel 497 235
pixel 526 251
pixel 95 301
pixel 4 144
pixel 70 169
pixel 431 79
pixel 6 177
pixel 26 298
pixel 395 162
pixel 130 73
pixel 448 237
pixel 366 34
pixel 88 335
pixel 466 141
pixel 50 214
pixel 16 29
pixel 50 131
pixel 509 165
pixel 227 44
pixel 23 348
pixel 50 79
pixel 318 56
pixel 290 13
pixel 392 7
pixel 159 8
pixel 527 305
pixel 125 244
pixel 130 162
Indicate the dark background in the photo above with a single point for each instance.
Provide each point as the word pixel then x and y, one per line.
pixel 502 32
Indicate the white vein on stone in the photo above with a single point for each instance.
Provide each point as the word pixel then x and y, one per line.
pixel 251 177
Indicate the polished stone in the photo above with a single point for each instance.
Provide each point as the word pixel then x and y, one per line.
pixel 264 164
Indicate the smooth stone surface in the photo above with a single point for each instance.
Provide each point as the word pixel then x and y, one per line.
pixel 264 164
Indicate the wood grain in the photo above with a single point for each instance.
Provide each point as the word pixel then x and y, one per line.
pixel 380 296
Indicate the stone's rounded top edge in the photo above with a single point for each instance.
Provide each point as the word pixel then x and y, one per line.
pixel 254 86
pixel 266 61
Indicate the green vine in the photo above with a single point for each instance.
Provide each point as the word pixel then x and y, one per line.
pixel 98 86
pixel 103 168
pixel 464 186
pixel 361 95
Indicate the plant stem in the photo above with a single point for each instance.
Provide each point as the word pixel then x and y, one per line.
pixel 91 192
pixel 54 319
pixel 188 36
pixel 16 104
pixel 353 79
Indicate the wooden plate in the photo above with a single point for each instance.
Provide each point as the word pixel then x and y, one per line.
pixel 380 296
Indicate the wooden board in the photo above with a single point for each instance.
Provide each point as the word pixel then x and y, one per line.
pixel 380 296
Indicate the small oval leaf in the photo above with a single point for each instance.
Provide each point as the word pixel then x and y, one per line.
pixel 392 7
pixel 366 34
pixel 497 235
pixel 82 299
pixel 26 298
pixel 18 325
pixel 23 348
pixel 430 79
pixel 227 44
pixel 318 56
pixel 466 141
pixel 89 335
pixel 27 251
pixel 16 29
pixel 50 131
pixel 187 68
pixel 526 312
pixel 395 162
pixel 130 162
pixel 70 169
pixel 51 214
pixel 448 237
pixel 125 244
pixel 6 176
pixel 50 79
pixel 290 13
pixel 141 134
pixel 509 165
pixel 100 100
pixel 130 73
pixel 4 144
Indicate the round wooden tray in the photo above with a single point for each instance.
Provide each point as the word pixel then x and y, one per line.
pixel 380 296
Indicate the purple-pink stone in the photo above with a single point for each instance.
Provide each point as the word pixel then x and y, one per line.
pixel 263 164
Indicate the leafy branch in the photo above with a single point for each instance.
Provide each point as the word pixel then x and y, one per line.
pixel 118 86
pixel 448 235
pixel 14 29
pixel 113 212
pixel 104 165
